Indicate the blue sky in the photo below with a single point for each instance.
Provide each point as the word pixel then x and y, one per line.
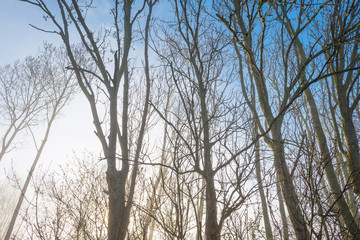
pixel 18 38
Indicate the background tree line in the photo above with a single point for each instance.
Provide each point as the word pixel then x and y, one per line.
pixel 216 120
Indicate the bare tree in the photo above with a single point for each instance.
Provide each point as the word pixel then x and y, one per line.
pixel 208 118
pixel 21 98
pixel 57 86
pixel 250 35
pixel 261 97
pixel 105 77
pixel 344 70
pixel 325 153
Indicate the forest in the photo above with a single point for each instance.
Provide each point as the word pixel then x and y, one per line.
pixel 214 120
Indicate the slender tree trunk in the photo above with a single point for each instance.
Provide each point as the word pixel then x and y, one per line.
pixel 211 225
pixel 27 181
pixel 212 231
pixel 116 184
pixel 151 230
pixel 200 212
pixel 288 189
pixel 344 176
pixel 285 226
pixel 149 223
pixel 267 224
pixel 353 154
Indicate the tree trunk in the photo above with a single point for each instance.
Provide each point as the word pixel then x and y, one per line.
pixel 115 179
pixel 350 195
pixel 267 224
pixel 285 226
pixel 60 96
pixel 27 181
pixel 288 189
pixel 200 212
pixel 211 225
pixel 353 154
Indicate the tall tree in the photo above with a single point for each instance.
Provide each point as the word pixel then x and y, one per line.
pixel 95 75
pixel 57 85
pixel 344 70
pixel 209 119
pixel 21 100
pixel 249 25
pixel 282 11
